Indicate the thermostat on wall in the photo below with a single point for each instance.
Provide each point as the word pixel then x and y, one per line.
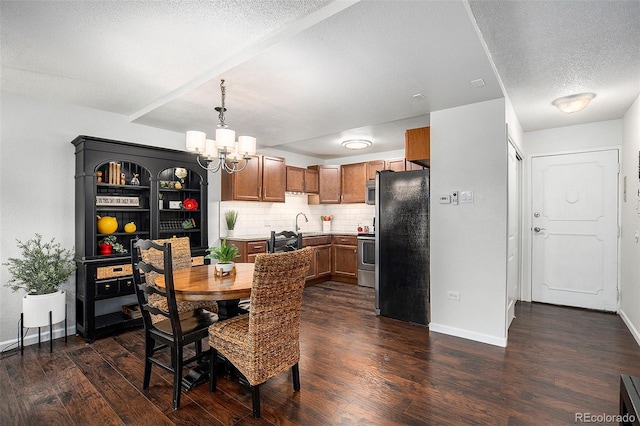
pixel 445 199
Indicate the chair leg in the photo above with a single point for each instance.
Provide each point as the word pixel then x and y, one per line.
pixel 177 377
pixel 295 372
pixel 255 399
pixel 212 370
pixel 148 353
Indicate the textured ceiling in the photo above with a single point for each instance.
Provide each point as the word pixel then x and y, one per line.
pixel 303 75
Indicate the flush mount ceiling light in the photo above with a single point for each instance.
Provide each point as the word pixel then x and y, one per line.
pixel 224 148
pixel 356 144
pixel 573 103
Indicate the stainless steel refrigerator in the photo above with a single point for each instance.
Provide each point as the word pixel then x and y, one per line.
pixel 402 245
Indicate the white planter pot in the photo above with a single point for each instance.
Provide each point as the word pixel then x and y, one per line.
pixel 326 226
pixel 36 307
pixel 230 233
pixel 224 267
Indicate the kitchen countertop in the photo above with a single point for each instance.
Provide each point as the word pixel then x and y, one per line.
pixel 257 237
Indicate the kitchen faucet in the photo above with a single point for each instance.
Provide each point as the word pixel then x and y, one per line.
pixel 305 219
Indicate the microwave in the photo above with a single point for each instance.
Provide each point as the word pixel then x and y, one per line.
pixel 370 192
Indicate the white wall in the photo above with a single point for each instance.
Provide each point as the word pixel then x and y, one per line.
pixel 604 134
pixel 630 222
pixel 469 241
pixel 37 166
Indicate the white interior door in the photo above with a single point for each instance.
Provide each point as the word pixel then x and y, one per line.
pixel 575 229
pixel 513 231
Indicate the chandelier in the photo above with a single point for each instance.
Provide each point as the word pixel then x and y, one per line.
pixel 224 152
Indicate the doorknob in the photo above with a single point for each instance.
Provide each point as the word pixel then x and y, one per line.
pixel 538 229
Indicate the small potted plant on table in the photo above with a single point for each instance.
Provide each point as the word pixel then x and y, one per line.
pixel 224 254
pixel 41 270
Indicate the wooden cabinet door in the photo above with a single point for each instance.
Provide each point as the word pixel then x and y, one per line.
pixel 274 177
pixel 417 145
pixel 295 179
pixel 323 260
pixel 345 261
pixel 311 181
pixel 395 164
pixel 329 177
pixel 353 182
pixel 245 185
pixel 373 167
pixel 313 268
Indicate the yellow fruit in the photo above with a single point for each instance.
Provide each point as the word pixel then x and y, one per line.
pixel 107 225
pixel 130 228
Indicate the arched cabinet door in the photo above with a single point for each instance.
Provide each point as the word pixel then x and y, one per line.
pixel 182 204
pixel 122 207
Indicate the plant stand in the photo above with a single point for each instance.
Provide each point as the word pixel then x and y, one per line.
pixel 21 331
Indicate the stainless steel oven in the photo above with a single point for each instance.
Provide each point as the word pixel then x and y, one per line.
pixel 367 260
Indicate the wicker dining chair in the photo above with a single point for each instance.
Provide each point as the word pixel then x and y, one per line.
pixel 176 330
pixel 181 250
pixel 266 341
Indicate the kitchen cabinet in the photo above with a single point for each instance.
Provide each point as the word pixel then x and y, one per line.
pixel 373 167
pixel 145 185
pixel 264 179
pixel 321 260
pixel 353 180
pixel 417 146
pixel 248 249
pixel 395 164
pixel 302 180
pixel 329 185
pixel 311 181
pixel 344 257
pixel 295 179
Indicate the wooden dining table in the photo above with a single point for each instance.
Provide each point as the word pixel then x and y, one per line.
pixel 205 283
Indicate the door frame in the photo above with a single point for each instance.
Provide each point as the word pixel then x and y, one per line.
pixel 520 271
pixel 526 293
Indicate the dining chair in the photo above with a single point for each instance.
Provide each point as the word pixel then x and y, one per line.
pixel 181 250
pixel 266 341
pixel 176 330
pixel 284 241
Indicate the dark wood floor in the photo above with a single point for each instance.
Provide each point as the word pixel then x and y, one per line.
pixel 356 368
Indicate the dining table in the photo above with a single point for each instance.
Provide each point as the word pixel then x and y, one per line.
pixel 206 283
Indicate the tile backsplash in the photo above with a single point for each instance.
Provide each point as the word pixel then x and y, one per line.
pixel 256 218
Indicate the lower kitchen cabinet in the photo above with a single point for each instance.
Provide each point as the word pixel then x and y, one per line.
pixel 321 261
pixel 344 258
pixel 248 250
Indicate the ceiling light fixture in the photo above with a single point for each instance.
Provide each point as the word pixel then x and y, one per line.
pixel 573 103
pixel 225 148
pixel 356 144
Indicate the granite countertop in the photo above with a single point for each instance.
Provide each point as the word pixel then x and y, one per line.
pixel 260 237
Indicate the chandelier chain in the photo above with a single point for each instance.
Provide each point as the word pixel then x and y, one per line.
pixel 222 124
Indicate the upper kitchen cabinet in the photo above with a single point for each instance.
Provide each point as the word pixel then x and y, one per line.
pixel 373 167
pixel 329 185
pixel 417 143
pixel 353 177
pixel 264 179
pixel 395 164
pixel 302 180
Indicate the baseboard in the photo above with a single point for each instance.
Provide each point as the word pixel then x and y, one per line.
pixel 634 331
pixel 32 336
pixel 469 335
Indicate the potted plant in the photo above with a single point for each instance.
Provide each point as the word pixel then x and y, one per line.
pixel 110 244
pixel 42 268
pixel 231 217
pixel 224 255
